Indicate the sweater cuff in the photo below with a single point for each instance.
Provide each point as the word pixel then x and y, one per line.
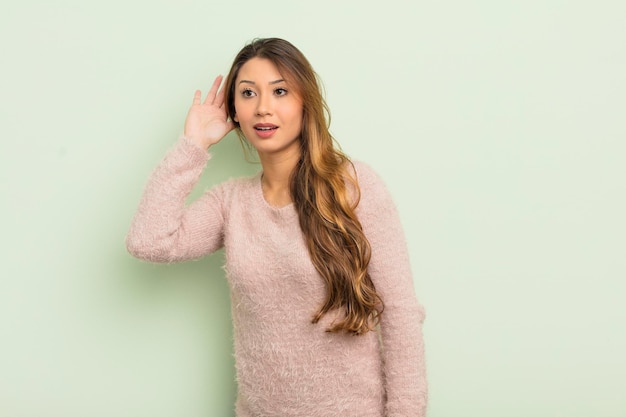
pixel 192 151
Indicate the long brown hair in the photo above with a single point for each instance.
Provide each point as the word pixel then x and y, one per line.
pixel 334 236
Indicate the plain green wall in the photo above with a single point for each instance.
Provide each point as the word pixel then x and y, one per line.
pixel 498 126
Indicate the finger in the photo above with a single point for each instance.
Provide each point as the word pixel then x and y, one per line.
pixel 210 98
pixel 219 99
pixel 196 97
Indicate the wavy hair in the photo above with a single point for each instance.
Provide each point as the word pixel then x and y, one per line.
pixel 334 236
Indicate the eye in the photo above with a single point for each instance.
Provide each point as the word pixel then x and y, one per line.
pixel 246 92
pixel 280 91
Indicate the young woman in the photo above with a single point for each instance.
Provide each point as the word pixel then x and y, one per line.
pixel 325 319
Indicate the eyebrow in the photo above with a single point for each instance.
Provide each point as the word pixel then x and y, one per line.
pixel 253 83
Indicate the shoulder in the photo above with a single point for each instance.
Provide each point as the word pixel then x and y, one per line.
pixel 230 194
pixel 374 199
pixel 235 187
pixel 368 180
pixel 362 168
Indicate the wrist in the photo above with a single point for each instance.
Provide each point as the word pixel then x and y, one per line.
pixel 200 143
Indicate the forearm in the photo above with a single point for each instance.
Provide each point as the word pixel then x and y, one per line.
pixel 163 229
pixel 404 362
pixel 401 330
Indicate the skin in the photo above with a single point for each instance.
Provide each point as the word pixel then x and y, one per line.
pixel 262 95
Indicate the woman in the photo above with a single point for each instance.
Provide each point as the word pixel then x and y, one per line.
pixel 325 319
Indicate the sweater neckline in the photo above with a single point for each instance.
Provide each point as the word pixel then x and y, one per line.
pixel 259 194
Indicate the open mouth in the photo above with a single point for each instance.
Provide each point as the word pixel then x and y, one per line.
pixel 262 127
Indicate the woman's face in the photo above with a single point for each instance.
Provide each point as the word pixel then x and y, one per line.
pixel 267 108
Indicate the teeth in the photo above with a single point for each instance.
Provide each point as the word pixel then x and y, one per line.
pixel 264 128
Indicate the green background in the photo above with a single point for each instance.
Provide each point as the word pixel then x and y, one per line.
pixel 499 127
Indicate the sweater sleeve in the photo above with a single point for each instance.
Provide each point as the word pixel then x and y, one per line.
pixel 164 229
pixel 402 318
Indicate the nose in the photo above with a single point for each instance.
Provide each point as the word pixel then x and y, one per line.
pixel 264 105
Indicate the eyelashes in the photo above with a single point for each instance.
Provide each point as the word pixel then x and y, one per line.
pixel 280 91
pixel 249 93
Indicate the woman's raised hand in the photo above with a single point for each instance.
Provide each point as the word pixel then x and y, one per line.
pixel 206 122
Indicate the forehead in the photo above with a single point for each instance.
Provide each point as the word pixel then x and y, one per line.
pixel 259 70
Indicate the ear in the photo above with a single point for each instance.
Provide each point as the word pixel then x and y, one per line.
pixel 235 118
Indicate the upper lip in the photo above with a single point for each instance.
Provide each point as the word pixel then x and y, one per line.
pixel 265 125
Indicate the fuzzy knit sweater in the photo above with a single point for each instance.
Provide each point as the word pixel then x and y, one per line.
pixel 285 365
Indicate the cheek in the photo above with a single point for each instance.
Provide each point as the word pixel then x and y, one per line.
pixel 295 111
pixel 299 116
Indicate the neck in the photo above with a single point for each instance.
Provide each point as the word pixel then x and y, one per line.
pixel 276 177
